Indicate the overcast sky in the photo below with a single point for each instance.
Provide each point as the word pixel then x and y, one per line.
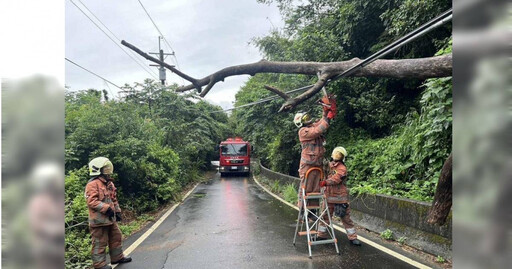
pixel 206 36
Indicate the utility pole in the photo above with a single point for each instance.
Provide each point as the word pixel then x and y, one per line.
pixel 161 54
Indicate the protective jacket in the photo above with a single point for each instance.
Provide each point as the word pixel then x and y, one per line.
pixel 335 189
pixel 312 143
pixel 101 195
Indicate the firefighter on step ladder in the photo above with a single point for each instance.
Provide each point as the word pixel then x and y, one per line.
pixel 311 137
pixel 312 202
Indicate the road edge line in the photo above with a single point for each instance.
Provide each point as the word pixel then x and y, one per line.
pixel 363 239
pixel 143 237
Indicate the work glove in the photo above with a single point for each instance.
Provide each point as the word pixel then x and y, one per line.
pixel 333 108
pixel 110 213
pixel 118 216
pixel 325 109
pixel 331 115
pixel 340 210
pixel 323 183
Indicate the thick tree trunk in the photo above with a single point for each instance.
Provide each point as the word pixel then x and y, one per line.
pixel 422 68
pixel 442 203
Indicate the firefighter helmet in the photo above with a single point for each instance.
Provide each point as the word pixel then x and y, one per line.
pixel 301 118
pixel 100 165
pixel 339 153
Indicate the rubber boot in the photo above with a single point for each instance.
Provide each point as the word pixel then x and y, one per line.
pixel 125 259
pixel 322 233
pixel 355 242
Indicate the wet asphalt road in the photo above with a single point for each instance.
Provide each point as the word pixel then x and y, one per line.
pixel 230 222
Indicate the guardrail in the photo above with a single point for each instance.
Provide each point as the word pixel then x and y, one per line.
pixel 405 217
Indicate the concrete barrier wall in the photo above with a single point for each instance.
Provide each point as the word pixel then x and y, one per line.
pixel 404 217
pixel 282 178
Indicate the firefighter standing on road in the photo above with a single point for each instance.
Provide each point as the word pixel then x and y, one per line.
pixel 312 143
pixel 337 194
pixel 104 213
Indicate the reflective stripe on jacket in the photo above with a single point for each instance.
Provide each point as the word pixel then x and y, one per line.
pixel 100 194
pixel 335 189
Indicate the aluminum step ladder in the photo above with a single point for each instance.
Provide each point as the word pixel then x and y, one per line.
pixel 314 207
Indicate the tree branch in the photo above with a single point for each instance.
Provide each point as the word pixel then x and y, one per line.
pixel 421 68
pixel 291 103
pixel 168 66
pixel 278 92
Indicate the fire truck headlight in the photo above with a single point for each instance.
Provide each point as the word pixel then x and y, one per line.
pixel 246 168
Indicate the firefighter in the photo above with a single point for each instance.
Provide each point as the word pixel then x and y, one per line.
pixel 104 213
pixel 337 195
pixel 312 143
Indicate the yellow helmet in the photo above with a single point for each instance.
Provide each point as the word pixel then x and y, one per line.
pixel 301 118
pixel 100 165
pixel 338 153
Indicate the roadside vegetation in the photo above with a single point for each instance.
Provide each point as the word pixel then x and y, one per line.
pixel 287 191
pixel 158 141
pixel 397 132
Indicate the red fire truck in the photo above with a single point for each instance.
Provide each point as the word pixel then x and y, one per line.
pixel 235 156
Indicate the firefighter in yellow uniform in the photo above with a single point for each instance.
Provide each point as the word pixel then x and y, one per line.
pixel 337 195
pixel 104 213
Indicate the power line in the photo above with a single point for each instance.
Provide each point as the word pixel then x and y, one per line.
pixel 108 29
pixel 423 29
pixel 263 100
pixel 104 79
pixel 158 29
pixel 111 39
pixel 163 37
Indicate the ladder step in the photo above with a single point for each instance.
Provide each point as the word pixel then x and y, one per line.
pixel 313 193
pixel 312 232
pixel 308 197
pixel 309 221
pixel 313 207
pixel 321 242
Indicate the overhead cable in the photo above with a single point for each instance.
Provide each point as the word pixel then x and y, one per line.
pixel 162 35
pixel 104 79
pixel 111 39
pixel 114 35
pixel 420 31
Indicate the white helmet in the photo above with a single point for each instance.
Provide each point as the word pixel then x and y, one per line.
pixel 338 152
pixel 100 165
pixel 301 118
pixel 47 175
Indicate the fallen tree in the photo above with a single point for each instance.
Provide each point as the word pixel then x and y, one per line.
pixel 421 68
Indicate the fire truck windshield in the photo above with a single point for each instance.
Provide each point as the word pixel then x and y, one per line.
pixel 234 150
